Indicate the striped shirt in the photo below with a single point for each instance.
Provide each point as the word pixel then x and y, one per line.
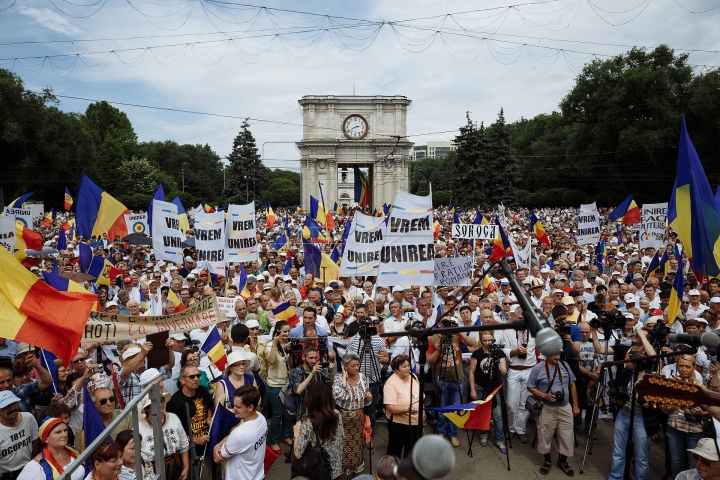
pixel 370 365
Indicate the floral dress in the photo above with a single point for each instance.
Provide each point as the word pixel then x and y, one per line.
pixel 351 400
pixel 334 447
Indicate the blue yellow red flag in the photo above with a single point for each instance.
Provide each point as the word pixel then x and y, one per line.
pixel 98 212
pixel 628 211
pixel 214 349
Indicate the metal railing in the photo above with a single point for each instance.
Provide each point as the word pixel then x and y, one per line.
pixel 153 391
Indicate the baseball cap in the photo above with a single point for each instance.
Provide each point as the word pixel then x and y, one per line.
pixel 23 348
pixel 128 279
pixel 630 298
pixel 178 336
pixel 130 352
pixel 7 397
pixel 111 303
pixel 536 283
pixel 252 324
pixel 287 278
pixel 568 300
pixel 694 291
pixel 191 275
pixel 148 376
pixel 189 259
pixel 504 282
pixel 704 448
pixel 715 300
pixel 545 270
pixel 330 289
pixel 334 284
pixel 398 288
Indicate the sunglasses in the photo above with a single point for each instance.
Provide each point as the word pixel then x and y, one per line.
pixel 193 377
pixel 103 401
pixel 77 360
pixel 507 303
pixel 217 289
pixel 686 303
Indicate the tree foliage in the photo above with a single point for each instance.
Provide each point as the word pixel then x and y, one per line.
pixel 246 176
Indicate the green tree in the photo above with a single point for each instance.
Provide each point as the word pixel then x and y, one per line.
pixel 246 176
pixel 432 171
pixel 471 181
pixel 139 175
pixel 502 165
pixel 282 192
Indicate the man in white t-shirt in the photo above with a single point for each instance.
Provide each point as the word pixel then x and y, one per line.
pixel 18 435
pixel 244 448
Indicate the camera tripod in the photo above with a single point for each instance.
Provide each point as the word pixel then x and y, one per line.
pixel 367 352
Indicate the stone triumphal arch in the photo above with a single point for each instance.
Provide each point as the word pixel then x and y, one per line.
pixel 341 132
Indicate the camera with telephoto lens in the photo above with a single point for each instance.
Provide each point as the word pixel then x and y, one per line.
pixel 660 332
pixel 608 320
pixel 496 350
pixel 559 396
pixel 322 346
pixel 562 328
pixel 294 345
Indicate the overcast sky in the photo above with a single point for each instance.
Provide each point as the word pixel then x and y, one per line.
pixel 262 75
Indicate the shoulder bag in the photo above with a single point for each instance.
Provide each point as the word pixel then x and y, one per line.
pixel 315 462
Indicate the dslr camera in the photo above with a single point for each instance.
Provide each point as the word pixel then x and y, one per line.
pixel 610 320
pixel 559 396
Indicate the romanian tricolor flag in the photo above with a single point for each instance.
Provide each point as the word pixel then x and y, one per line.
pixel 242 284
pixel 620 241
pixel 182 215
pixel 314 231
pixel 500 245
pixel 179 306
pixel 480 219
pixel 269 216
pixel 18 202
pixel 319 264
pixel 676 293
pixel 538 229
pixel 362 189
pixel 207 207
pixel 214 349
pixel 35 313
pixel 692 211
pixel 317 211
pixel 68 200
pixel 100 269
pixel 26 239
pixel 98 212
pixel 338 209
pixel 474 415
pixel 286 312
pixel 68 224
pixel 654 265
pixel 436 229
pixel 62 284
pixel 49 218
pixel 627 211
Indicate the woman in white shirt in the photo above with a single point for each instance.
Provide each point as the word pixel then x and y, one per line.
pixel 175 441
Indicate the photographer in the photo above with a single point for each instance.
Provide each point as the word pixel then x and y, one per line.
pixel 487 367
pixel 373 353
pixel 554 382
pixel 311 370
pixel 449 375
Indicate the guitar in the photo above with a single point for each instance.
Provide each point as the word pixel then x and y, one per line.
pixel 657 391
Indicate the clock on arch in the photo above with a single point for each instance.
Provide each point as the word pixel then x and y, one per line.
pixel 355 127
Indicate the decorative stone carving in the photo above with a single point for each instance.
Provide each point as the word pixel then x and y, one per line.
pixel 321 151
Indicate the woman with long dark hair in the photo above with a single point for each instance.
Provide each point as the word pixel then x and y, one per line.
pixel 321 425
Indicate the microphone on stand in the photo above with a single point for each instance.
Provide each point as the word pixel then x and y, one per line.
pixel 707 339
pixel 432 458
pixel 547 340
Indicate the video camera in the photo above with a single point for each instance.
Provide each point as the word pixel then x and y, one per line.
pixel 496 350
pixel 608 320
pixel 660 332
pixel 366 329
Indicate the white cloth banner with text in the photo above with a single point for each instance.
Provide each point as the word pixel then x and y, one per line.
pixel 361 254
pixel 588 224
pixel 241 234
pixel 652 225
pixel 452 271
pixel 167 237
pixel 137 223
pixel 22 214
pixel 210 241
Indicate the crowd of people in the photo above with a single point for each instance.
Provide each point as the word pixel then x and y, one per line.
pixel 327 383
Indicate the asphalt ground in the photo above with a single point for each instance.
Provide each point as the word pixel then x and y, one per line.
pixel 525 462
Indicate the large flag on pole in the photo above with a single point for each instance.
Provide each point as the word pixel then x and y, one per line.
pixel 692 211
pixel 538 229
pixel 362 189
pixel 68 199
pixel 98 212
pixel 214 349
pixel 471 416
pixel 628 211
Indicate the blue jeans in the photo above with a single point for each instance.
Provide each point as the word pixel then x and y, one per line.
pixel 277 417
pixel 496 414
pixel 641 444
pixel 449 394
pixel 678 443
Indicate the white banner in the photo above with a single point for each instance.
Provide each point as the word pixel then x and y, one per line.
pixel 477 232
pixel 588 224
pixel 361 255
pixel 137 223
pixel 501 215
pixel 407 257
pixel 7 232
pixel 22 214
pixel 652 225
pixel 523 257
pixel 241 234
pixel 226 305
pixel 210 241
pixel 167 237
pixel 453 272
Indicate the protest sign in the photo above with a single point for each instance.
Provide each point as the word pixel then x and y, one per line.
pixel 407 256
pixel 22 214
pixel 103 326
pixel 501 215
pixel 226 305
pixel 7 232
pixel 210 241
pixel 137 223
pixel 241 234
pixel 523 256
pixel 652 225
pixel 588 224
pixel 167 237
pixel 477 232
pixel 361 255
pixel 452 272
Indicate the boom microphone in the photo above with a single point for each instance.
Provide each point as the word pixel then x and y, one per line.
pixel 432 458
pixel 707 339
pixel 547 340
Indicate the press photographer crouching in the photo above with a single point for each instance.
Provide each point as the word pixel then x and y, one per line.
pixel 553 382
pixel 487 367
pixel 449 375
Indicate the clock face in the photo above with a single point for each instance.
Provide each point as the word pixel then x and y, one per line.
pixel 355 127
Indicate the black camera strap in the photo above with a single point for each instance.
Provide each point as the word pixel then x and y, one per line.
pixel 547 373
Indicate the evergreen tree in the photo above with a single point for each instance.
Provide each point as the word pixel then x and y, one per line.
pixel 470 185
pixel 246 175
pixel 502 166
